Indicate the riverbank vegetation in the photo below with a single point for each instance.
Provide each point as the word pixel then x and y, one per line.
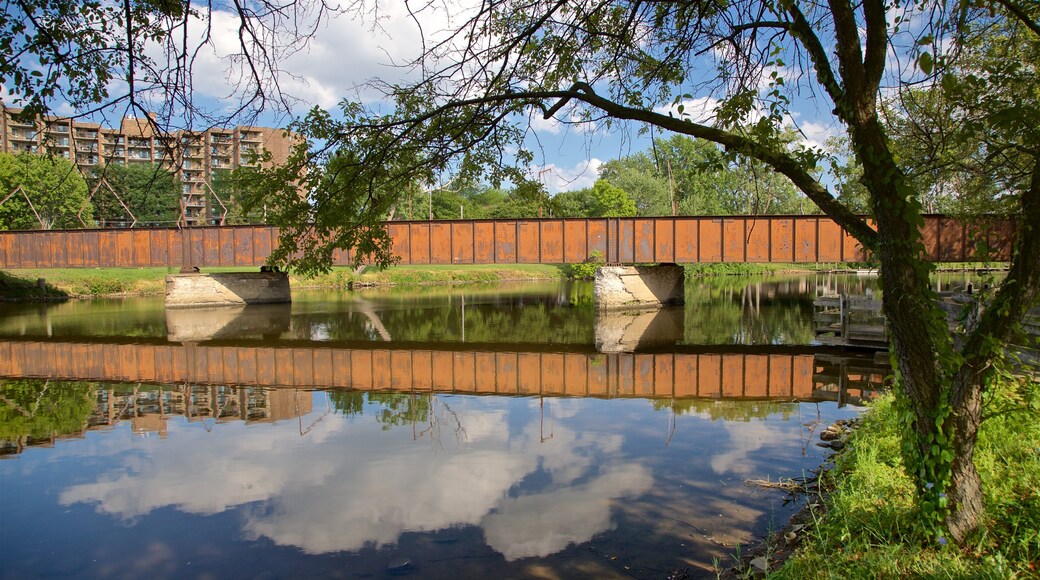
pixel 24 285
pixel 868 522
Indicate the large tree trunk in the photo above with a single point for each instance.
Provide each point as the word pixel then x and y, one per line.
pixel 965 490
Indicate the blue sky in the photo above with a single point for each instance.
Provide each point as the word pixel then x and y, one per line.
pixel 349 49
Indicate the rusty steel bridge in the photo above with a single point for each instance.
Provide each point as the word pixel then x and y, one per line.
pixel 783 239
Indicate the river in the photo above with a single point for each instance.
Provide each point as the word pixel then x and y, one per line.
pixel 507 431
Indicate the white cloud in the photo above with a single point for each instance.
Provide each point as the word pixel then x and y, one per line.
pixel 579 176
pixel 346 494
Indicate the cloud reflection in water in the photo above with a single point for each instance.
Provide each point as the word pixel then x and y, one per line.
pixel 349 485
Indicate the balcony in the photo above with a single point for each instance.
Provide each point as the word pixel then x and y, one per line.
pixel 220 138
pixel 62 128
pixel 87 147
pixel 82 134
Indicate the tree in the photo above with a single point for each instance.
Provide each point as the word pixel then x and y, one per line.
pixel 53 185
pixel 610 201
pixel 642 62
pixel 140 56
pixel 650 191
pixel 577 203
pixel 151 192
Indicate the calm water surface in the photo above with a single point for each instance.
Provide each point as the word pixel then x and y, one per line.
pixel 637 472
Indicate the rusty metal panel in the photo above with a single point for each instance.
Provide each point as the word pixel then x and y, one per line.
pixel 462 243
pixel 576 374
pixel 505 243
pixel 243 244
pixel 163 361
pixel 643 375
pixel 781 376
pixel 246 364
pixel 624 366
pixel 506 376
pixel 552 374
pixel 361 369
pixel 685 375
pixel 264 362
pixel 732 375
pixel 952 241
pixel 733 235
pixel 125 251
pixel 303 367
pixel 484 243
pixel 6 249
pixel 597 238
pixel 57 241
pixel 226 240
pixel 805 248
pixel 626 245
pixel 341 369
pixel 781 240
pixel 159 250
pixel 107 250
pixel 829 241
pixel 529 244
pixel 440 243
pixel 687 246
pixel 550 234
pixel 485 372
pixel 710 239
pixel 214 364
pixel 709 375
pixel 399 241
pixel 575 241
pixel 229 362
pixel 401 370
pixel 664 375
pixel 419 248
pixel 284 369
pixel 73 250
pixel 443 371
pixel 802 366
pixel 756 375
pixel 645 241
pixel 211 246
pixel 528 373
pixel 851 249
pixel 1001 240
pixel 664 240
pixel 758 240
pixel 930 237
pixel 422 370
pixel 381 369
pixel 465 369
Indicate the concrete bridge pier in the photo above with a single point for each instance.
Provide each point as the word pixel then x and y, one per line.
pixel 618 287
pixel 229 288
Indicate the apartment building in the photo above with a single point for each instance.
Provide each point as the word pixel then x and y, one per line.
pixel 195 157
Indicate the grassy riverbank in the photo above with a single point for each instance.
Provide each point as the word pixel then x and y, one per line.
pixel 88 282
pixel 863 527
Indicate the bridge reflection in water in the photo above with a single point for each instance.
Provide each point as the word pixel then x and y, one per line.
pixel 783 374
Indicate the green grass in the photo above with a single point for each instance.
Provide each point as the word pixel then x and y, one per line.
pixel 865 529
pixel 22 284
pixel 484 273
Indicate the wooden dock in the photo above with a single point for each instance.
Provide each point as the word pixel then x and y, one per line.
pixel 857 321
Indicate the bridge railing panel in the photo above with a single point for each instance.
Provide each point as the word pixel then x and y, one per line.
pixel 830 241
pixel 484 243
pixel 709 242
pixel 805 246
pixel 687 241
pixel 550 242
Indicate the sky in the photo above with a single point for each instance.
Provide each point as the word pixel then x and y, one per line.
pixel 349 49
